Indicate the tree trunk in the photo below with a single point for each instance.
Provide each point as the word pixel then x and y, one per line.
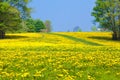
pixel 114 36
pixel 2 34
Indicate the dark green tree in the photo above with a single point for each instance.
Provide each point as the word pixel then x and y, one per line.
pixel 39 25
pixel 9 18
pixel 30 24
pixel 34 25
pixel 106 13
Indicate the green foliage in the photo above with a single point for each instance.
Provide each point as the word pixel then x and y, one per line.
pixel 39 25
pixel 107 13
pixel 21 5
pixel 34 25
pixel 30 25
pixel 11 12
pixel 9 17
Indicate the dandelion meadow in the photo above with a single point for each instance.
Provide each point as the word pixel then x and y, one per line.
pixel 59 56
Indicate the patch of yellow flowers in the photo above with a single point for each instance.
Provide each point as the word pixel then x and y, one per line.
pixel 104 38
pixel 41 56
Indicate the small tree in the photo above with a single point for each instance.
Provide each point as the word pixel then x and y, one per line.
pixel 9 18
pixel 39 25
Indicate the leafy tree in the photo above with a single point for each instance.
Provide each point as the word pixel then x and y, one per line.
pixel 11 12
pixel 30 25
pixel 21 5
pixel 48 25
pixel 9 18
pixel 34 25
pixel 107 13
pixel 39 25
pixel 23 26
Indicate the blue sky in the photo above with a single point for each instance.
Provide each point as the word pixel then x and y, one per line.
pixel 64 14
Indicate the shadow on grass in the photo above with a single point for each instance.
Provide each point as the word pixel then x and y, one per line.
pixel 102 38
pixel 14 37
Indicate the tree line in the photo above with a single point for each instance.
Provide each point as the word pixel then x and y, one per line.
pixel 15 17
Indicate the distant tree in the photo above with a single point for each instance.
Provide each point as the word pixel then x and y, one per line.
pixel 9 18
pixel 30 23
pixel 24 27
pixel 39 25
pixel 77 29
pixel 34 25
pixel 107 14
pixel 94 28
pixel 48 25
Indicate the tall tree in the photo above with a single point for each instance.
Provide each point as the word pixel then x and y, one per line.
pixel 107 12
pixel 9 18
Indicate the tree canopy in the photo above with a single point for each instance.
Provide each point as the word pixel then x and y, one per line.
pixel 34 25
pixel 12 13
pixel 21 5
pixel 107 13
pixel 9 18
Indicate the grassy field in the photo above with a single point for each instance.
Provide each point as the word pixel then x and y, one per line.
pixel 60 56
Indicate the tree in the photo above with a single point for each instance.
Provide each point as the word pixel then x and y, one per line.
pixel 77 29
pixel 11 12
pixel 9 18
pixel 39 25
pixel 34 25
pixel 30 25
pixel 21 5
pixel 94 28
pixel 48 25
pixel 107 13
